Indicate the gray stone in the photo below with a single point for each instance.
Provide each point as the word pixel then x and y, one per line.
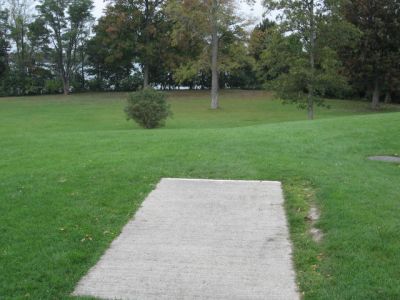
pixel 200 239
pixel 394 159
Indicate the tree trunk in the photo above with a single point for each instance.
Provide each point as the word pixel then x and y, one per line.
pixel 375 95
pixel 83 69
pixel 310 106
pixel 214 59
pixel 388 97
pixel 310 100
pixel 145 76
pixel 66 85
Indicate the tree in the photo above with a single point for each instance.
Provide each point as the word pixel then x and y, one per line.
pixel 38 51
pixel 236 66
pixel 111 50
pixel 136 32
pixel 260 39
pixel 19 19
pixel 26 41
pixel 117 51
pixel 312 66
pixel 203 23
pixel 66 22
pixel 374 62
pixel 151 18
pixel 4 45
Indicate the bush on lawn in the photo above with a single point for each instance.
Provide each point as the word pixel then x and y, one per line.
pixel 148 108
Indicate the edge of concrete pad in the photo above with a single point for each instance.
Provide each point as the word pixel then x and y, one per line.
pixel 220 180
pixel 385 158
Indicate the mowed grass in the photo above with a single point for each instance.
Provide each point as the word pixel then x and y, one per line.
pixel 73 171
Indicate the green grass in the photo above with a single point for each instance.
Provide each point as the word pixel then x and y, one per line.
pixel 73 171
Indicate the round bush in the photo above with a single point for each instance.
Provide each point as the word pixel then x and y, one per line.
pixel 148 108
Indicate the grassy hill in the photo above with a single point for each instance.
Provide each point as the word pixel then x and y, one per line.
pixel 73 171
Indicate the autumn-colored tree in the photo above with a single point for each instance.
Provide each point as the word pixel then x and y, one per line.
pixel 204 24
pixel 111 50
pixel 136 32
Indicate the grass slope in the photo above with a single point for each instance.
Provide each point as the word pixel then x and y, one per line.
pixel 73 172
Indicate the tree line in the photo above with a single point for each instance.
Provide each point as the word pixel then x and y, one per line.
pixel 313 50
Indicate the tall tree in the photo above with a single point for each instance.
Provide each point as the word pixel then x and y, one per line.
pixel 136 31
pixel 300 17
pixel 66 21
pixel 27 39
pixel 19 19
pixel 312 66
pixel 151 19
pixel 204 23
pixel 374 63
pixel 260 38
pixel 111 51
pixel 37 57
pixel 133 33
pixel 4 44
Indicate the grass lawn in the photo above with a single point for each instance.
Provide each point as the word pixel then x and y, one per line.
pixel 73 171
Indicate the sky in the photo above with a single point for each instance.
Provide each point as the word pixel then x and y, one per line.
pixel 247 11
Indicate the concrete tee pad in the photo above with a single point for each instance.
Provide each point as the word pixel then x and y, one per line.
pixel 200 239
pixel 394 159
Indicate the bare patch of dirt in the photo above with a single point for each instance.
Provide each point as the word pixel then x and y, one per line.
pixel 313 217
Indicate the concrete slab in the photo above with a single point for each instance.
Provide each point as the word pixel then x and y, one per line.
pixel 200 239
pixel 394 159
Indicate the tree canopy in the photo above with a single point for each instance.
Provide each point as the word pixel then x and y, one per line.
pixel 313 49
pixel 374 62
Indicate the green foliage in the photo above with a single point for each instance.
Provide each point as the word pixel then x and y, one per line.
pixel 131 32
pixel 290 74
pixel 191 33
pixel 111 51
pixel 53 86
pixel 148 108
pixel 352 43
pixel 372 61
pixel 67 26
pixel 4 44
pixel 131 83
pixel 300 57
pixel 259 37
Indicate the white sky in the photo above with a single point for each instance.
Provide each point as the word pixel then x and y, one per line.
pixel 246 11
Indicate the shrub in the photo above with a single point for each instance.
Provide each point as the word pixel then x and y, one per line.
pixel 130 83
pixel 53 86
pixel 148 108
